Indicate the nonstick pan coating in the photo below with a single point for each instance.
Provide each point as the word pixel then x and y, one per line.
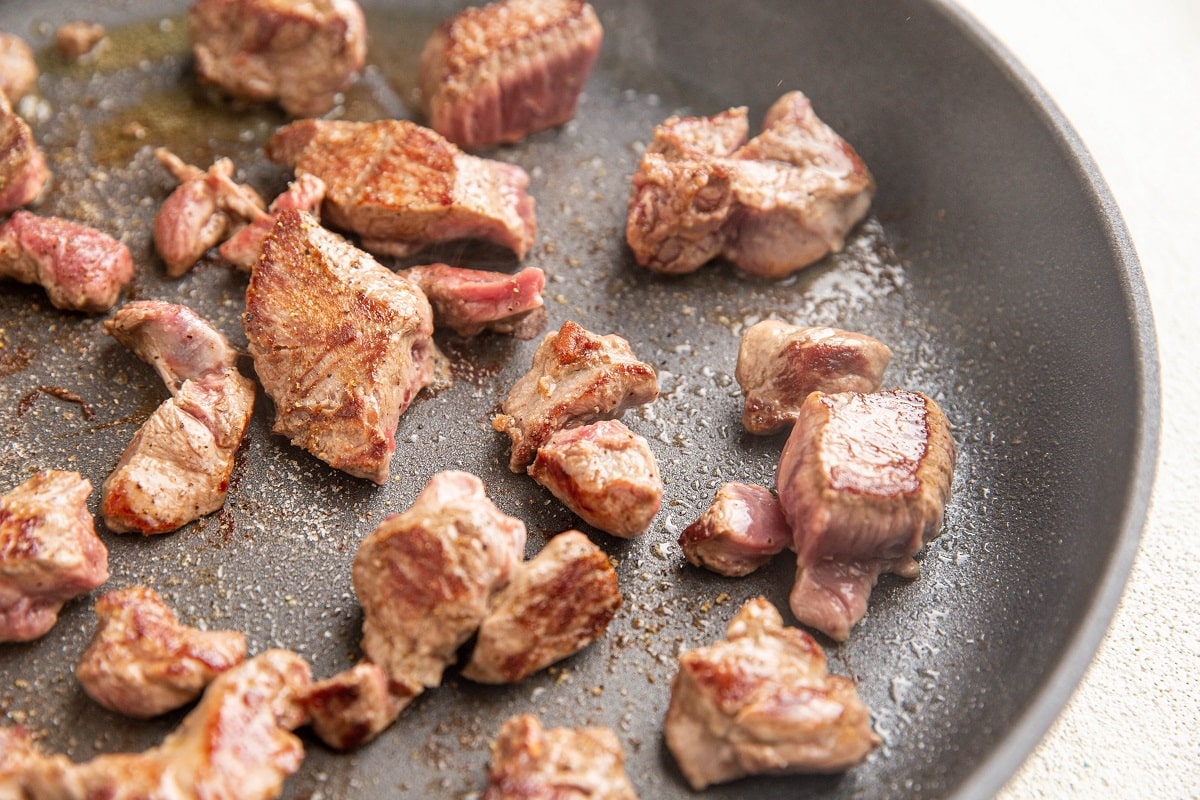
pixel 994 264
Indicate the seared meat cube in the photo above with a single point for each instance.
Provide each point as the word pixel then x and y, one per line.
pixel 779 364
pixel 236 743
pixel 425 577
pixel 863 481
pixel 470 301
pixel 529 761
pixel 303 194
pixel 742 530
pixel 178 465
pixel 603 472
pixel 556 604
pixel 23 170
pixel 356 705
pixel 143 662
pixel 577 378
pixel 81 268
pixel 503 71
pixel 49 552
pixel 763 702
pixel 75 40
pixel 300 53
pixel 203 210
pixel 401 187
pixel 340 342
pixel 18 67
pixel 780 202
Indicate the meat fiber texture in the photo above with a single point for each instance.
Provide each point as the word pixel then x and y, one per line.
pixel 470 301
pixel 401 187
pixel 763 702
pixel 425 577
pixel 498 73
pixel 300 53
pixel 23 171
pixel 354 706
pixel 178 465
pixel 863 481
pixel 49 552
pixel 774 205
pixel 81 268
pixel 740 531
pixel 340 343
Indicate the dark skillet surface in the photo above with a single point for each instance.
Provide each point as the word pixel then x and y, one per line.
pixel 994 264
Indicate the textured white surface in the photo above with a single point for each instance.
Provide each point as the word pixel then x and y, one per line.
pixel 1127 76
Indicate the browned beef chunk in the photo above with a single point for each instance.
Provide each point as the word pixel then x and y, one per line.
pixel 532 762
pixel 763 702
pixel 49 552
pixel 340 343
pixel 605 473
pixel 303 194
pixel 779 364
pixel 577 378
pixel 177 467
pixel 470 301
pixel 300 53
pixel 401 187
pixel 742 530
pixel 555 604
pixel 356 705
pixel 425 577
pixel 144 662
pixel 863 481
pixel 18 67
pixel 503 71
pixel 23 170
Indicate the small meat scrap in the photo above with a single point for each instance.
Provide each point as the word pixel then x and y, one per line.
pixel 18 68
pixel 303 194
pixel 206 208
pixel 774 205
pixel 603 472
pixel 356 705
pixel 498 73
pixel 23 170
pixel 863 481
pixel 556 604
pixel 76 39
pixel 177 467
pixel 470 301
pixel 742 530
pixel 762 702
pixel 400 186
pixel 300 53
pixel 779 364
pixel 143 662
pixel 236 743
pixel 425 577
pixel 529 761
pixel 341 344
pixel 81 268
pixel 49 552
pixel 577 378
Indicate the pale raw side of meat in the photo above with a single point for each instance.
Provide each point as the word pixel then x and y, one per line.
pixel 605 473
pixel 497 73
pixel 742 530
pixel 178 465
pixel 18 67
pixel 356 705
pixel 49 552
pixel 236 743
pixel 340 343
pixel 577 378
pixel 425 577
pixel 530 761
pixel 300 53
pixel 401 187
pixel 303 194
pixel 762 702
pixel 470 301
pixel 863 481
pixel 143 662
pixel 23 170
pixel 81 268
pixel 779 364
pixel 555 604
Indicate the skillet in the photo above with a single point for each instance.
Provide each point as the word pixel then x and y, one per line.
pixel 995 265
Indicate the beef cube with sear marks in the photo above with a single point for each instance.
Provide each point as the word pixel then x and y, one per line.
pixel 356 705
pixel 530 761
pixel 23 170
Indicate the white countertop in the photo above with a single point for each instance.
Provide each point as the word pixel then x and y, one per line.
pixel 1127 76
